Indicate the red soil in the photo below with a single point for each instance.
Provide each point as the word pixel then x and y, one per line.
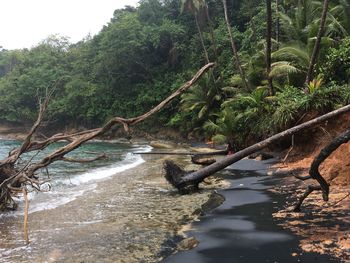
pixel 324 227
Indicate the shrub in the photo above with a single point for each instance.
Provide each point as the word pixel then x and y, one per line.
pixel 337 65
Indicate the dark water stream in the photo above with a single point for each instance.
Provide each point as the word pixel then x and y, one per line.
pixel 242 229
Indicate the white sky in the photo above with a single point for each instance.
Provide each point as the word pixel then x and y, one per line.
pixel 24 23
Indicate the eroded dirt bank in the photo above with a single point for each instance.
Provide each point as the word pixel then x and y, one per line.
pixel 323 226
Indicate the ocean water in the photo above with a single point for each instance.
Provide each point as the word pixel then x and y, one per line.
pixel 115 210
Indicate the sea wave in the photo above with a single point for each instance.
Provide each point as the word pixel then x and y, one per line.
pixel 129 162
pixel 79 184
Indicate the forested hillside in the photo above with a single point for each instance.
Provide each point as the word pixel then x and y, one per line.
pixel 274 63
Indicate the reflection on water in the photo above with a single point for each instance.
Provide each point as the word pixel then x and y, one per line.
pixel 130 215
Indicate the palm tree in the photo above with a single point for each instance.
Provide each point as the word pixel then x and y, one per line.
pixel 316 48
pixel 290 64
pixel 211 30
pixel 194 6
pixel 300 27
pixel 234 48
pixel 223 129
pixel 277 24
pixel 238 117
pixel 201 99
pixel 268 45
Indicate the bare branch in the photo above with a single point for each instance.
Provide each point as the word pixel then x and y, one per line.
pixel 15 154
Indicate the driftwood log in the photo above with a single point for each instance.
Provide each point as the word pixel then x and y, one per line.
pixel 14 176
pixel 204 158
pixel 191 180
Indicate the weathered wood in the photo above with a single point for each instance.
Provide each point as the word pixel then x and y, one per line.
pixel 196 177
pixel 314 169
pixel 224 152
pixel 202 160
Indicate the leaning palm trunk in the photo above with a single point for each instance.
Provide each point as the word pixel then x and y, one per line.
pixel 234 48
pixel 316 49
pixel 269 45
pixel 201 39
pixel 211 30
pixel 277 25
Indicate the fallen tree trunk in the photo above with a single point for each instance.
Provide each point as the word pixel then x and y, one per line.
pixel 191 180
pixel 202 159
pixel 224 152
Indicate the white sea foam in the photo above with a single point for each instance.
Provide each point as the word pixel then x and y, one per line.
pixel 54 199
pixel 79 184
pixel 129 162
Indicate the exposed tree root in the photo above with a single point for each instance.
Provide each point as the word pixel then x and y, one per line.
pixel 174 174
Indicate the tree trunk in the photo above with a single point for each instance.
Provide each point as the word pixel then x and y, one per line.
pixel 193 179
pixel 234 48
pixel 201 39
pixel 211 30
pixel 277 25
pixel 269 45
pixel 316 49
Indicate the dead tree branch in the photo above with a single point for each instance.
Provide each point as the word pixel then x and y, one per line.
pixel 16 179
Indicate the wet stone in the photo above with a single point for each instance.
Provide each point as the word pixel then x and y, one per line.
pixel 187 244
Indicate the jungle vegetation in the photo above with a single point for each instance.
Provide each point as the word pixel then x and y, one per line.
pixel 275 62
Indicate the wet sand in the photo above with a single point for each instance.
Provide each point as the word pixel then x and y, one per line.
pixel 242 229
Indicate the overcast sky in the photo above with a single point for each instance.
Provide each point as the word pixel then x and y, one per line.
pixel 24 23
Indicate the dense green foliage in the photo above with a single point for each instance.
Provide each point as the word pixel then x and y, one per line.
pixel 145 53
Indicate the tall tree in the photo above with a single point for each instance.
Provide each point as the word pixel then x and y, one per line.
pixel 316 49
pixel 277 24
pixel 234 48
pixel 194 7
pixel 211 29
pixel 268 44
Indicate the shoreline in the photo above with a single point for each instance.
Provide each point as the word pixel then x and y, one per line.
pixel 294 223
pixel 226 218
pixel 160 217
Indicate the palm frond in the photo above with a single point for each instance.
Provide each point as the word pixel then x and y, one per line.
pixel 292 53
pixel 282 68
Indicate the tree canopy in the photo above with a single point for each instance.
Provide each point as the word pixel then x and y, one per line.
pixel 145 53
